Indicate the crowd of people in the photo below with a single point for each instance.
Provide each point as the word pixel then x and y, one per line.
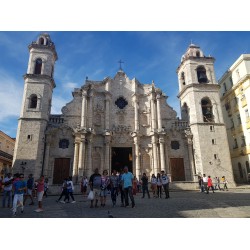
pixel 206 183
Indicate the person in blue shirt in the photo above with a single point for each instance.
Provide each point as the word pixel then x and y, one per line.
pixel 19 188
pixel 127 179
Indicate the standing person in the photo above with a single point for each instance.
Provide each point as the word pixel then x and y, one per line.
pixel 165 184
pixel 201 184
pixel 30 186
pixel 224 182
pixel 104 185
pixel 19 188
pixel 7 190
pixel 154 185
pixel 70 190
pixel 64 191
pixel 209 184
pixel 205 179
pixel 144 181
pixel 95 186
pixel 121 188
pixel 46 187
pixel 127 183
pixel 40 192
pixel 159 185
pixel 84 185
pixel 114 182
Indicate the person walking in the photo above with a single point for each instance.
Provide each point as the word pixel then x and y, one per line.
pixel 114 183
pixel 127 183
pixel 30 186
pixel 19 188
pixel 224 182
pixel 201 186
pixel 144 181
pixel 40 192
pixel 70 190
pixel 84 185
pixel 7 190
pixel 104 184
pixel 165 184
pixel 205 179
pixel 64 191
pixel 95 186
pixel 209 184
pixel 159 185
pixel 154 185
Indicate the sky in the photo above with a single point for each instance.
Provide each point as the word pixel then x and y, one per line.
pixel 147 55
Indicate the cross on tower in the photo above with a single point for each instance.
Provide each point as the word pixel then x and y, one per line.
pixel 120 64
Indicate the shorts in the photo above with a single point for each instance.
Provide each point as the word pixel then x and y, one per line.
pixel 104 192
pixel 29 192
pixel 40 196
pixel 96 193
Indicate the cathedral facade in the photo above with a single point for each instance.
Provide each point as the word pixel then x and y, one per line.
pixel 119 122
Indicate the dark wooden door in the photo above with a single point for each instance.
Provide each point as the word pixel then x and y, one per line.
pixel 61 170
pixel 177 169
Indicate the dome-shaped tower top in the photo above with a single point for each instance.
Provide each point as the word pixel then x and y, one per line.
pixel 44 39
pixel 192 51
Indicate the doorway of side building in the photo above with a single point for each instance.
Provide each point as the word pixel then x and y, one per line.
pixel 61 170
pixel 122 157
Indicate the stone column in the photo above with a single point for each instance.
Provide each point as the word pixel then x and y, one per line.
pixel 137 157
pixel 162 154
pixel 158 98
pixel 89 170
pixel 153 118
pixel 46 158
pixel 107 113
pixel 90 110
pixel 107 153
pixel 189 137
pixel 136 115
pixel 84 104
pixel 76 157
pixel 155 156
pixel 81 162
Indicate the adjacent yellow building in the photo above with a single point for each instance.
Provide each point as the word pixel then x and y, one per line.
pixel 235 99
pixel 7 145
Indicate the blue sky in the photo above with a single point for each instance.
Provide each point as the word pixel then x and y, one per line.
pixel 147 56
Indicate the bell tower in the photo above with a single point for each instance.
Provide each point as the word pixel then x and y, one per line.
pixel 36 106
pixel 201 107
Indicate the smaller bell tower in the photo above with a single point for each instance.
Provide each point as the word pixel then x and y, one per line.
pixel 201 107
pixel 36 106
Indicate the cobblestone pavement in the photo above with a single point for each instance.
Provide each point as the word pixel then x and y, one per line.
pixel 234 203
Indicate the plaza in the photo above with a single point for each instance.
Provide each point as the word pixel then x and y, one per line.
pixel 234 203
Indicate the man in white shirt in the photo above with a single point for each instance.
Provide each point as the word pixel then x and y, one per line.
pixel 165 183
pixel 7 190
pixel 205 182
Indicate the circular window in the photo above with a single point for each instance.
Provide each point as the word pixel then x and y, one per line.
pixel 121 103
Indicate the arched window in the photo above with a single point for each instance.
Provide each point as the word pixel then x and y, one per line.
pixel 207 110
pixel 183 78
pixel 38 66
pixel 185 112
pixel 240 170
pixel 33 102
pixel 201 75
pixel 41 41
pixel 198 53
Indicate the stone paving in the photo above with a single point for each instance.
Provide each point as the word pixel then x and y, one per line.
pixel 234 203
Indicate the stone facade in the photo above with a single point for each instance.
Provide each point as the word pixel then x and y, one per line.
pixel 235 96
pixel 116 122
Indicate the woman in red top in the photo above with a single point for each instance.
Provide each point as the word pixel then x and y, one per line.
pixel 209 184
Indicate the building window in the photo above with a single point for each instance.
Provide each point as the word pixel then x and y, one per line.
pixel 29 137
pixel 33 102
pixel 212 128
pixel 183 78
pixel 235 101
pixel 201 75
pixel 240 170
pixel 38 66
pixel 246 113
pixel 41 41
pixel 232 123
pixel 239 119
pixel 231 81
pixel 198 53
pixel 235 143
pixel 243 141
pixel 225 87
pixel 207 110
pixel 213 141
pixel 121 103
pixel 247 167
pixel 63 143
pixel 175 145
pixel 215 156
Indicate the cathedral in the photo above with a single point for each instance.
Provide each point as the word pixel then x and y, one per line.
pixel 119 122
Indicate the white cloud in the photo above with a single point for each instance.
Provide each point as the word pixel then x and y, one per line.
pixel 70 85
pixel 11 92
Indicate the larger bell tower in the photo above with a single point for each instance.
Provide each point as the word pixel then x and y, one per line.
pixel 201 107
pixel 36 106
